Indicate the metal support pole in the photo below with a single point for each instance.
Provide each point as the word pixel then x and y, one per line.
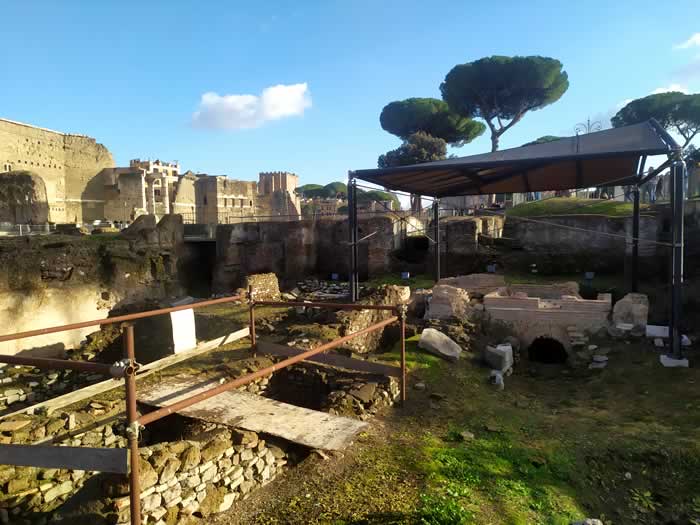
pixel 356 237
pixel 436 235
pixel 133 425
pixel 351 237
pixel 678 179
pixel 251 329
pixel 635 241
pixel 635 225
pixel 401 312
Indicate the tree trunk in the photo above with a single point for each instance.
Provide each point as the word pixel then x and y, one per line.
pixel 491 198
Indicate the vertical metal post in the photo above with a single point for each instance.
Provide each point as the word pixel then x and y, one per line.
pixel 635 227
pixel 436 233
pixel 351 237
pixel 133 426
pixel 677 197
pixel 635 240
pixel 356 237
pixel 401 312
pixel 251 326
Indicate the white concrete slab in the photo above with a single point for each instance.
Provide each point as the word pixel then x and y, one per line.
pixel 657 331
pixel 310 428
pixel 184 334
pixel 670 362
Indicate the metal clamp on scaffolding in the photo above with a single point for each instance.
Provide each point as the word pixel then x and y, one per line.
pixel 123 367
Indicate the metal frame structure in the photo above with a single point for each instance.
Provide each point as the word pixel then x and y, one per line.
pixel 128 368
pixel 481 174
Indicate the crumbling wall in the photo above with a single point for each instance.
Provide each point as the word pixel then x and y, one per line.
pixel 584 243
pixel 355 320
pixel 68 164
pixel 50 281
pixel 265 286
pixel 531 316
pixel 298 249
pixel 23 198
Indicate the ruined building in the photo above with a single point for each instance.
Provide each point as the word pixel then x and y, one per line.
pixel 62 168
pixel 159 189
pixel 48 176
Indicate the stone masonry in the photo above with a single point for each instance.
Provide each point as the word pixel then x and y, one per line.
pixel 550 311
pixel 69 165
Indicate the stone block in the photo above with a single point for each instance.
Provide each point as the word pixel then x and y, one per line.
pixel 632 309
pixel 448 302
pixel 499 358
pixel 439 344
pixel 59 490
pixel 265 286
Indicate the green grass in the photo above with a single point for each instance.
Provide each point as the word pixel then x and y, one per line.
pixel 600 281
pixel 415 282
pixel 416 359
pixel 572 206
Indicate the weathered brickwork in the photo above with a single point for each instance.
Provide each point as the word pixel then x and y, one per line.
pixel 69 165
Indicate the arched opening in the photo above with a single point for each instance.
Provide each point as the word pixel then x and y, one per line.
pixel 547 350
pixel 415 248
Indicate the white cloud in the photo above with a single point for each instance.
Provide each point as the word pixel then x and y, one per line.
pixel 693 41
pixel 671 87
pixel 689 71
pixel 251 111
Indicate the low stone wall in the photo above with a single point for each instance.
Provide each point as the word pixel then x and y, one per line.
pixel 201 476
pixel 533 316
pixel 28 494
pixel 353 321
pixel 476 284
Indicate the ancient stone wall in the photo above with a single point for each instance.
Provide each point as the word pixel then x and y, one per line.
pixel 50 281
pixel 583 234
pixel 531 316
pixel 353 321
pixel 126 198
pixel 69 165
pixel 298 249
pixel 23 198
pixel 203 475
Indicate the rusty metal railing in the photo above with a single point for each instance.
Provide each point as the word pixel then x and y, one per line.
pixel 128 367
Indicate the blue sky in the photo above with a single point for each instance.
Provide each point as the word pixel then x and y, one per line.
pixel 132 74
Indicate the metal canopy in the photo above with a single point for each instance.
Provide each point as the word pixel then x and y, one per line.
pixel 583 161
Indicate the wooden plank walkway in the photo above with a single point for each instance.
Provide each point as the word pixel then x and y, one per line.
pixel 336 360
pixel 248 411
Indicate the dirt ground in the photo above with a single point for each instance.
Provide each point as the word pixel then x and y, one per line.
pixel 559 444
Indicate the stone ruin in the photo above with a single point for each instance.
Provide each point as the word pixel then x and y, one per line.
pixel 555 311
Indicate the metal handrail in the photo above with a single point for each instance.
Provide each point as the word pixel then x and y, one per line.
pixel 117 319
pixel 128 367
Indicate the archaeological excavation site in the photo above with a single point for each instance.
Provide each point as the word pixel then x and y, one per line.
pixel 420 367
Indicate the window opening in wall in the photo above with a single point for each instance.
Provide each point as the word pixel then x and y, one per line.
pixel 205 199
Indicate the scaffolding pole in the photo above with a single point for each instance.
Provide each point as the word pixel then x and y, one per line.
pixel 677 196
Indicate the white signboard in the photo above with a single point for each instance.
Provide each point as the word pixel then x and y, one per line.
pixel 184 335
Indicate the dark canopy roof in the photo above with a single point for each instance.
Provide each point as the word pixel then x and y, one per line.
pixel 583 161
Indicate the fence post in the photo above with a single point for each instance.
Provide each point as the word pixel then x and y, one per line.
pixel 132 429
pixel 401 313
pixel 251 309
